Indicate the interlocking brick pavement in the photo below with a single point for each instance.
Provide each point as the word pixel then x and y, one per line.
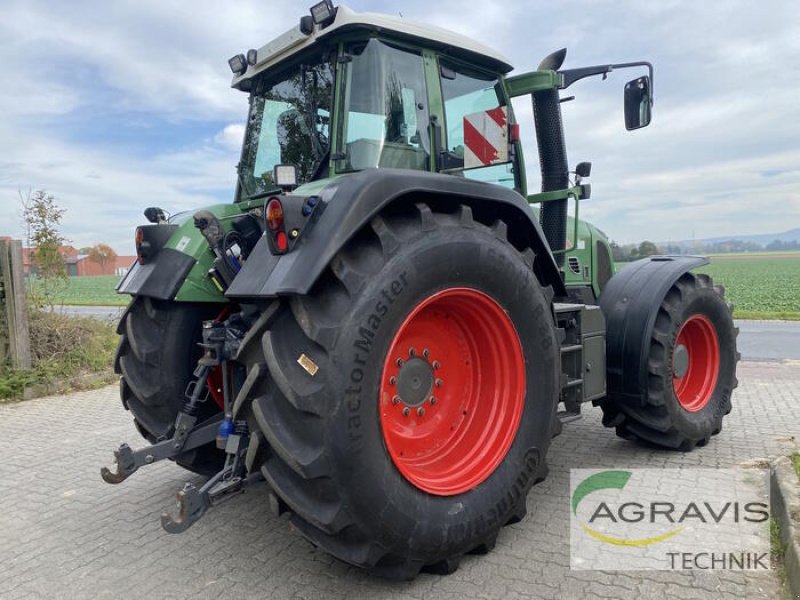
pixel 64 533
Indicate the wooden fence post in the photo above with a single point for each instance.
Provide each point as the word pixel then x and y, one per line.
pixel 16 304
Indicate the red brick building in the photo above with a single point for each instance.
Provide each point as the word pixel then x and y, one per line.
pixel 79 265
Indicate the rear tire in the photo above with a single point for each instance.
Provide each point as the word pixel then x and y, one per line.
pixel 156 357
pixel 319 410
pixel 691 370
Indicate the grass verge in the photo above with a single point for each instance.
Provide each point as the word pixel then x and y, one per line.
pixel 796 463
pixel 68 353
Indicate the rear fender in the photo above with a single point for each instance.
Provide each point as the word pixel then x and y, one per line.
pixel 349 203
pixel 630 303
pixel 179 270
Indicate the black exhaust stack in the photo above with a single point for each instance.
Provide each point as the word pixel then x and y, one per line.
pixel 552 157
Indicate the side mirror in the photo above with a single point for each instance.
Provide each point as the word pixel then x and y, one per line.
pixel 637 103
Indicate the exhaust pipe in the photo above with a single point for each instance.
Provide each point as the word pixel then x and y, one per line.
pixel 552 158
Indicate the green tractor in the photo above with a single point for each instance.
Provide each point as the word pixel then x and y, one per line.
pixel 380 325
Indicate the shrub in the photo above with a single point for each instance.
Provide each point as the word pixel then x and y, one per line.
pixel 63 347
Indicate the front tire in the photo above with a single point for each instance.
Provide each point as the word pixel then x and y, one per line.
pixel 691 370
pixel 367 476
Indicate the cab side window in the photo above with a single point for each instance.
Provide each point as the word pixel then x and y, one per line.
pixel 467 92
pixel 386 109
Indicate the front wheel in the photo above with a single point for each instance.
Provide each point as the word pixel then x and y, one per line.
pixel 403 409
pixel 691 370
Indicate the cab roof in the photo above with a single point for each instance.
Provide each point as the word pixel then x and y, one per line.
pixel 347 20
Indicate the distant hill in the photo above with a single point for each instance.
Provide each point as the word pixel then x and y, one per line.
pixel 762 239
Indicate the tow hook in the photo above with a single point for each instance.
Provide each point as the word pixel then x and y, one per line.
pixel 220 342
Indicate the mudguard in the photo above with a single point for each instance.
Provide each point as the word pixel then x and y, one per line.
pixel 630 303
pixel 178 270
pixel 350 202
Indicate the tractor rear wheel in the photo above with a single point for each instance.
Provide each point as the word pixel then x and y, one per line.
pixel 691 370
pixel 403 409
pixel 156 357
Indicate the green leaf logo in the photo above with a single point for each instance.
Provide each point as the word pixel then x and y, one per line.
pixel 611 480
pixel 599 481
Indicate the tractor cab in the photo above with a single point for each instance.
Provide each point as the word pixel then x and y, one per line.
pixel 344 92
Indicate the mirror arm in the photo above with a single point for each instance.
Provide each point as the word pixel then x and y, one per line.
pixel 570 76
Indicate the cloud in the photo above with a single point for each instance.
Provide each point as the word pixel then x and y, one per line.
pixel 117 109
pixel 231 137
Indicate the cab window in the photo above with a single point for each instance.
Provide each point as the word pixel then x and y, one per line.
pixel 385 114
pixel 469 92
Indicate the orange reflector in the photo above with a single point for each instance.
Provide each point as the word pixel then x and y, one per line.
pixel 274 214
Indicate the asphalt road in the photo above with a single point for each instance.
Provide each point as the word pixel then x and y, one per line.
pixel 64 533
pixel 98 312
pixel 758 340
pixel 769 340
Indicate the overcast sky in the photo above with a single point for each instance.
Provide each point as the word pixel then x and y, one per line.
pixel 116 106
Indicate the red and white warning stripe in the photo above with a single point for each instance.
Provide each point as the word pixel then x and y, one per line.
pixel 486 138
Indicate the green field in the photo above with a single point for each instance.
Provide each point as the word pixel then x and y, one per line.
pixel 85 291
pixel 763 285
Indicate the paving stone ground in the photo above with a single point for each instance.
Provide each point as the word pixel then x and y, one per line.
pixel 66 534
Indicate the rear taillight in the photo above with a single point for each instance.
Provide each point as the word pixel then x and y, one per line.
pixel 139 242
pixel 275 226
pixel 281 241
pixel 274 214
pixel 150 239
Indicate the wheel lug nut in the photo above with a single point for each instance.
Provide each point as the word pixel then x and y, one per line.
pixel 438 383
pixel 420 411
pixel 406 410
pixel 436 364
pixel 399 362
pixel 412 352
pixel 392 380
pixel 395 399
pixel 433 400
pixel 426 353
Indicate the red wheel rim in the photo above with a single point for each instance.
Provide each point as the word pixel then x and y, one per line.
pixel 214 381
pixel 458 361
pixel 695 363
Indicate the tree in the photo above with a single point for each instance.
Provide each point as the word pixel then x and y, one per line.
pixel 102 254
pixel 42 217
pixel 647 248
pixel 618 253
